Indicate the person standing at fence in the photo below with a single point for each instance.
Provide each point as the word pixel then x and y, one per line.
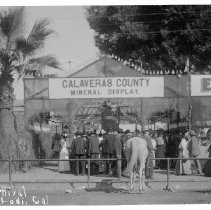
pixel 194 150
pixel 56 145
pixel 149 161
pixel 70 139
pixel 100 139
pixel 78 149
pixel 64 155
pixel 118 153
pixel 207 167
pixel 93 151
pixel 100 136
pixel 110 145
pixel 124 160
pixel 160 151
pixel 173 145
pixel 183 167
pixel 104 153
pixel 154 146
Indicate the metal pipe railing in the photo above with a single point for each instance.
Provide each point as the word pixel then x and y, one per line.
pixel 88 160
pixel 168 168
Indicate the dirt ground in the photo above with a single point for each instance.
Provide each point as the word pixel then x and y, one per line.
pixel 123 198
pixel 82 197
pixel 185 190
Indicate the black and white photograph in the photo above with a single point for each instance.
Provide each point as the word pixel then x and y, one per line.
pixel 105 104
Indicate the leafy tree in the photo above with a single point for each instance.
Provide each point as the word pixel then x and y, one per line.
pixel 155 37
pixel 17 55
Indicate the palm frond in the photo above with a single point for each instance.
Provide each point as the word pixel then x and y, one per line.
pixel 19 57
pixel 6 60
pixel 45 61
pixel 36 65
pixel 11 22
pixel 39 34
pixel 25 47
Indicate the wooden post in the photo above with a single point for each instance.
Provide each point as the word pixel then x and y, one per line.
pixel 88 175
pixel 190 104
pixel 142 116
pixel 10 171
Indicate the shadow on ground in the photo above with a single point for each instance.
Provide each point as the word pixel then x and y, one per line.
pixel 106 186
pixel 164 171
pixel 208 191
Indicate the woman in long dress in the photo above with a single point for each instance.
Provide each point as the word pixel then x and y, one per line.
pixel 160 151
pixel 183 167
pixel 154 145
pixel 64 155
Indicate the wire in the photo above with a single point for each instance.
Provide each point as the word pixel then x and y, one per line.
pixel 132 15
pixel 146 32
pixel 161 13
pixel 66 18
pixel 142 22
pixel 161 21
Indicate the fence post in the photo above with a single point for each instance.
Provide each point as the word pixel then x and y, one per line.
pixel 10 171
pixel 168 170
pixel 88 175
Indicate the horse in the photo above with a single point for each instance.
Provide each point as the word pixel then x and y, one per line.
pixel 136 155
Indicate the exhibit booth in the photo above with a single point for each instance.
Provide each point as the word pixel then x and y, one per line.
pixel 137 101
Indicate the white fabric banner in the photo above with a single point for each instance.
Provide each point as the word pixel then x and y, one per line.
pixel 109 87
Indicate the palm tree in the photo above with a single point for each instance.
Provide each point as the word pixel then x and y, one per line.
pixel 17 55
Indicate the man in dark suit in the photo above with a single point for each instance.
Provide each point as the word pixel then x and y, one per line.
pixel 94 151
pixel 118 152
pixel 173 146
pixel 110 145
pixel 78 149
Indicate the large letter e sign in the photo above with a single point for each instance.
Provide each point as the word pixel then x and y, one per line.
pixel 206 84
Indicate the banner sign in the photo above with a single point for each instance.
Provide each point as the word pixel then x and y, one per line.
pixel 38 128
pixel 201 85
pixel 109 87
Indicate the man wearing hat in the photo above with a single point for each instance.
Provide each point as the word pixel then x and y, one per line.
pixel 110 150
pixel 118 152
pixel 194 150
pixel 93 151
pixel 78 149
pixel 149 161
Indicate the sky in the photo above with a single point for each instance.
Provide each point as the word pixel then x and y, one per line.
pixel 73 39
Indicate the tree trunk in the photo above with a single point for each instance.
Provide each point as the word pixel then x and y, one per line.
pixel 9 147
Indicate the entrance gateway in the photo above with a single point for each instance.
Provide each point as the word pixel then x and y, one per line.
pixel 152 101
pixel 141 98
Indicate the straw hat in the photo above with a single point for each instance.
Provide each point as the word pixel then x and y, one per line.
pixel 192 133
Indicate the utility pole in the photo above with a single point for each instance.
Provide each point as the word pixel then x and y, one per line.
pixel 187 69
pixel 178 100
pixel 142 115
pixel 69 63
pixel 190 103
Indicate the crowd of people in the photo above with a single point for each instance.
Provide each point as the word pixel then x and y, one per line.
pixel 100 145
